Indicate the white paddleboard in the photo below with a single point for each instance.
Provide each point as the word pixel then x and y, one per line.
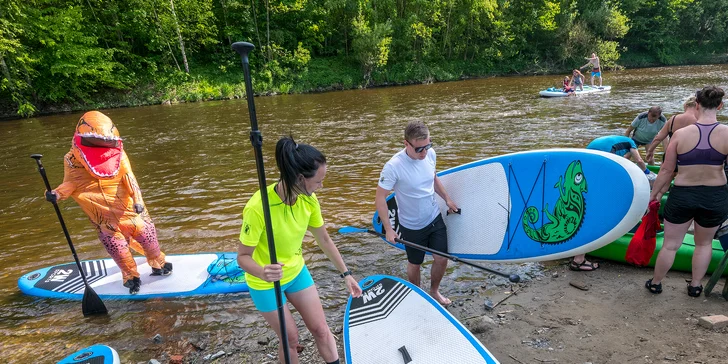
pixel 538 205
pixel 95 354
pixel 396 322
pixel 193 274
pixel 559 92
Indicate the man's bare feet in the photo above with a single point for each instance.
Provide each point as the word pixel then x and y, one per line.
pixel 440 298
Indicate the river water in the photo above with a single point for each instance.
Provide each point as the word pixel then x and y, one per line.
pixel 195 165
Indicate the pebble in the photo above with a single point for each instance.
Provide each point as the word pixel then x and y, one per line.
pixel 489 304
pixel 154 361
pixel 157 338
pixel 217 355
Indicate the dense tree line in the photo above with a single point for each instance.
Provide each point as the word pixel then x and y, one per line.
pixel 70 51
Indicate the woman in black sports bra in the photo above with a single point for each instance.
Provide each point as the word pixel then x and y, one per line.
pixel 700 194
pixel 678 121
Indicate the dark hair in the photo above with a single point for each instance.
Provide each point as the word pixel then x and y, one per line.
pixel 295 159
pixel 710 97
pixel 416 130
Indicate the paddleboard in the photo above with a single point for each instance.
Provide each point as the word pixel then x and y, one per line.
pixel 95 354
pixel 394 321
pixel 194 274
pixel 538 205
pixel 559 92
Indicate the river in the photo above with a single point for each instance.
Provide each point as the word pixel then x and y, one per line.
pixel 195 165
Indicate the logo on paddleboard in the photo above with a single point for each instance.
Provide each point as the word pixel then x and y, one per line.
pixel 372 293
pixel 33 276
pixel 83 356
pixel 59 275
pixel 568 213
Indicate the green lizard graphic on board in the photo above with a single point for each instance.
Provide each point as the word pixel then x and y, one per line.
pixel 568 214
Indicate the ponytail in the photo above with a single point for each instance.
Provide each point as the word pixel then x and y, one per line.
pixel 295 159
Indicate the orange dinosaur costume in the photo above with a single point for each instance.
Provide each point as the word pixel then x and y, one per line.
pixel 98 176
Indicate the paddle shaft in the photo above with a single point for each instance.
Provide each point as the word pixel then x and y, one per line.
pixel 101 308
pixel 256 139
pixel 512 277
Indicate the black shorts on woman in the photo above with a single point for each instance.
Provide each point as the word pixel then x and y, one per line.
pixel 433 236
pixel 707 205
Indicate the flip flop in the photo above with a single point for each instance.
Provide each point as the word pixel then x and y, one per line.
pixel 585 266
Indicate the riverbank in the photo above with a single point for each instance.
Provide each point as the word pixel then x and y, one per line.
pixel 544 320
pixel 215 82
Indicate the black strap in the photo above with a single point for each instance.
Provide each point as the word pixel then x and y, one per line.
pixel 405 355
pixel 672 122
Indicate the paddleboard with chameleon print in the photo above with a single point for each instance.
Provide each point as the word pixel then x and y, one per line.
pixel 395 321
pixel 94 354
pixel 194 274
pixel 538 205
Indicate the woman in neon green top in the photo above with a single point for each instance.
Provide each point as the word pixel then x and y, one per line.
pixel 294 209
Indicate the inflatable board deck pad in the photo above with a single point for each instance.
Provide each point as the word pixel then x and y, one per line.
pixel 559 92
pixel 538 205
pixel 395 321
pixel 194 274
pixel 95 354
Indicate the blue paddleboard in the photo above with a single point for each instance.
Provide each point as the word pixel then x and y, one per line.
pixel 395 321
pixel 538 205
pixel 194 274
pixel 95 354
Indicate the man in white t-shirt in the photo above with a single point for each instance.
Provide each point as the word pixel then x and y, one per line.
pixel 411 174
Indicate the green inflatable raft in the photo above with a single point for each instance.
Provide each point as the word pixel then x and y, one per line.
pixel 683 259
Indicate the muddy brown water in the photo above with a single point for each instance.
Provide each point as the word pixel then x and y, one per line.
pixel 195 165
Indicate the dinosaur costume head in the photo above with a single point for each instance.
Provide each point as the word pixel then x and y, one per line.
pixel 97 145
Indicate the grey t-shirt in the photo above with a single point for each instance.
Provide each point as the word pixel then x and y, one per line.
pixel 644 131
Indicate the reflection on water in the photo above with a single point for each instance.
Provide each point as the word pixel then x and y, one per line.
pixel 195 165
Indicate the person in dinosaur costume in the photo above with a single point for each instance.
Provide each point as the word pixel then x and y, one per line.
pixel 97 174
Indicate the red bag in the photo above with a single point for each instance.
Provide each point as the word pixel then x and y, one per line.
pixel 642 245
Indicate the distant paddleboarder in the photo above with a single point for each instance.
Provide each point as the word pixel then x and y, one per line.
pixel 411 174
pixel 97 174
pixel 596 68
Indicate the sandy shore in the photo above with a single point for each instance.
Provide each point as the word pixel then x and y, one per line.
pixel 546 320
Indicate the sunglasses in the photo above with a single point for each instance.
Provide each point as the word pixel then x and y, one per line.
pixel 422 148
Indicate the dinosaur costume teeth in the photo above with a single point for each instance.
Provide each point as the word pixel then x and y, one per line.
pixel 97 174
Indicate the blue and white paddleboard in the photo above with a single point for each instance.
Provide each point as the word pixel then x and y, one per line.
pixel 194 274
pixel 559 92
pixel 95 354
pixel 538 205
pixel 395 321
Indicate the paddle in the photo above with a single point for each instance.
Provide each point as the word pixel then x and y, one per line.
pixel 515 278
pixel 91 303
pixel 256 138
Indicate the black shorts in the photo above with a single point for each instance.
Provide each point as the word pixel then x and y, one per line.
pixel 708 205
pixel 638 143
pixel 433 236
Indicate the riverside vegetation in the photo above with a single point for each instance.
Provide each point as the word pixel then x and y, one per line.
pixel 62 55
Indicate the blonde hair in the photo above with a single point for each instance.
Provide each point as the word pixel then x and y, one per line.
pixel 690 103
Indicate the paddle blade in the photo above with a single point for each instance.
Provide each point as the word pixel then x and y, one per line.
pixel 351 230
pixel 92 304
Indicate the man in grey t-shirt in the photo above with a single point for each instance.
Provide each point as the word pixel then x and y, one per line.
pixel 645 126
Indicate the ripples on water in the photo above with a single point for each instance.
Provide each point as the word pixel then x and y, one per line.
pixel 195 166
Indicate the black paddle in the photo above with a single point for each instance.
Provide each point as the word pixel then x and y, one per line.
pixel 91 304
pixel 515 278
pixel 243 48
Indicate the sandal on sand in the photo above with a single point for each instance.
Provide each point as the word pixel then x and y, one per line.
pixel 654 288
pixel 585 266
pixel 694 291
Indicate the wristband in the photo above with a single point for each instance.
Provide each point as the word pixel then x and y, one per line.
pixel 347 273
pixel 647 171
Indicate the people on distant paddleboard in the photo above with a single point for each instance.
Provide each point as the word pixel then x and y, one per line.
pixel 568 88
pixel 97 174
pixel 596 68
pixel 699 194
pixel 294 209
pixel 622 146
pixel 577 80
pixel 676 122
pixel 645 127
pixel 411 174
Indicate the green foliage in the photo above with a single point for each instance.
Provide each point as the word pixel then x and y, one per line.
pixel 129 52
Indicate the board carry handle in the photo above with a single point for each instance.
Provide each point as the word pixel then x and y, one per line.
pixel 368 283
pixel 405 355
pixel 458 211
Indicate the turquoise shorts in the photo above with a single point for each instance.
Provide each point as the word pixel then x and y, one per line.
pixel 596 74
pixel 265 300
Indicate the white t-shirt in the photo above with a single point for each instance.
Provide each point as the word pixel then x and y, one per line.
pixel 413 182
